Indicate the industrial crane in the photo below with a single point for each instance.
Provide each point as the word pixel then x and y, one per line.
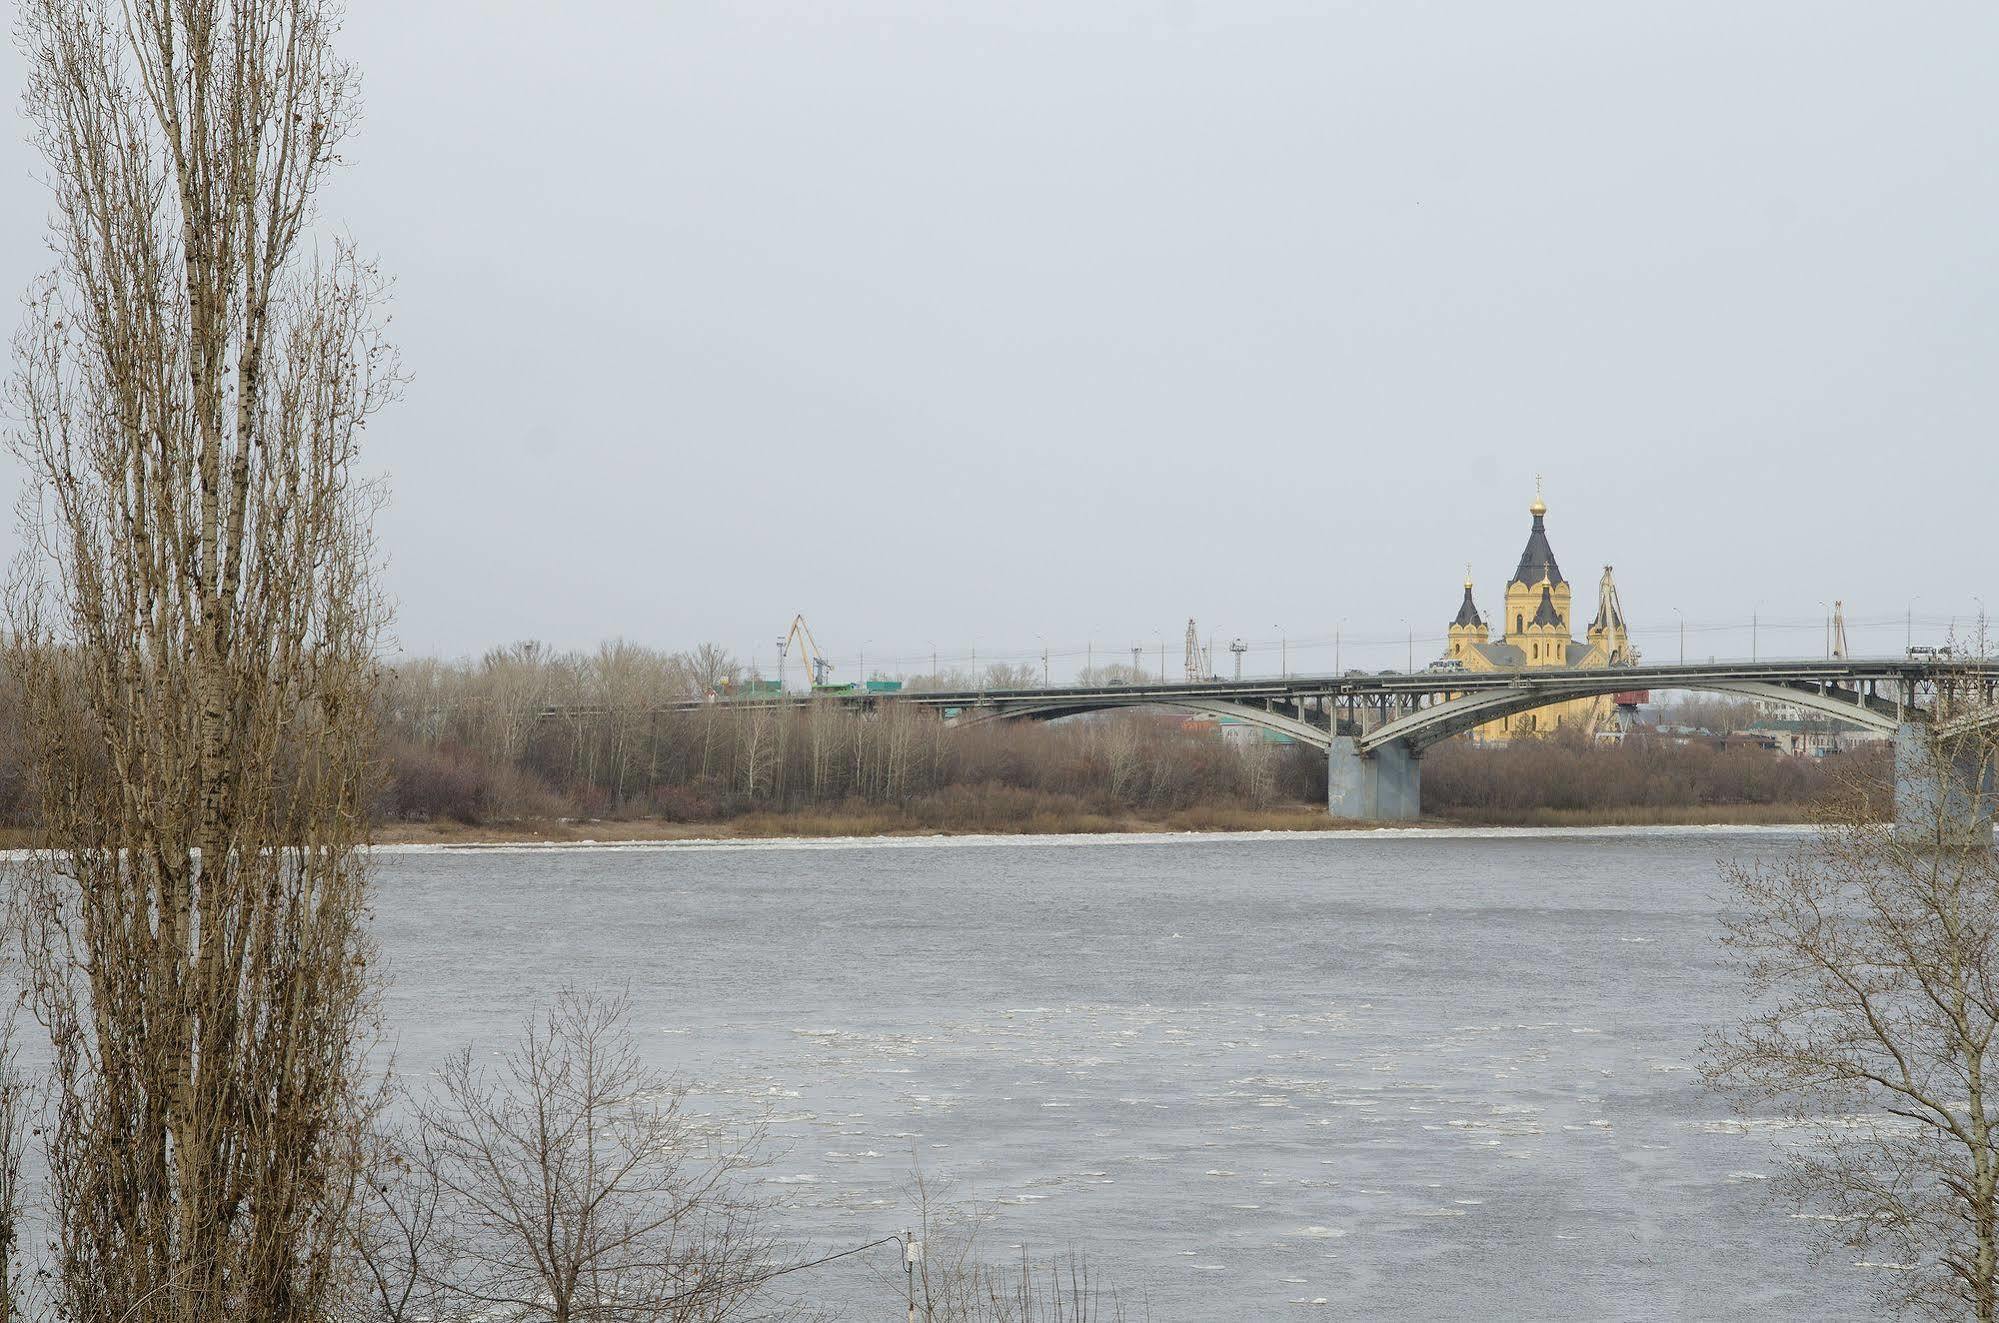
pixel 816 664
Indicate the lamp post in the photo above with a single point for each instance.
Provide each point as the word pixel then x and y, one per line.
pixel 1755 612
pixel 1909 624
pixel 1828 628
pixel 1044 659
pixel 1283 653
pixel 1683 634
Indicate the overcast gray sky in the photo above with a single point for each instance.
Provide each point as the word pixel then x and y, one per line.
pixel 981 323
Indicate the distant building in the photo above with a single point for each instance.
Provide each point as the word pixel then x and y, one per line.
pixel 1535 634
pixel 1812 736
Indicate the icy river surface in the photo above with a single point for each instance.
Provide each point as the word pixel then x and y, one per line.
pixel 1403 1075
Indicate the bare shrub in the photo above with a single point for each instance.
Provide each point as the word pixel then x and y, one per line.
pixel 569 1182
pixel 399 1235
pixel 954 1282
pixel 1872 963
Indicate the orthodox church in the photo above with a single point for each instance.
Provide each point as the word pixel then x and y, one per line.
pixel 1535 634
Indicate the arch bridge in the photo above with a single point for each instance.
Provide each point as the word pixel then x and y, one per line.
pixel 1375 728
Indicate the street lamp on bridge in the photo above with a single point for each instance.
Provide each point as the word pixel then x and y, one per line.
pixel 1683 634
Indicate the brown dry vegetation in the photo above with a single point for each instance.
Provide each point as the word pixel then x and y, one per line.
pixel 1566 780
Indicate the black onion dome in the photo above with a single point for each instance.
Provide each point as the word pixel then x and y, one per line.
pixel 1468 612
pixel 1537 562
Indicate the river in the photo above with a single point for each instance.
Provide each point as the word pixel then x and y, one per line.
pixel 1398 1075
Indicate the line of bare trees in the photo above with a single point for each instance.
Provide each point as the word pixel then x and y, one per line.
pixel 470 741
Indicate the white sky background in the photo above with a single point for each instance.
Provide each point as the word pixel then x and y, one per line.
pixel 966 323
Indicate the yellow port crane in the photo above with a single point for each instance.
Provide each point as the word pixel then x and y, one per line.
pixel 815 659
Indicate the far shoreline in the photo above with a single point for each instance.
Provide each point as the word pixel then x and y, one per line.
pixel 887 824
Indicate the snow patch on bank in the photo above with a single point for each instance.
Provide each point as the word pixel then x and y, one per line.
pixel 1359 836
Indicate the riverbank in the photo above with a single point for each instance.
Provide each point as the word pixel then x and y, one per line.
pixel 888 822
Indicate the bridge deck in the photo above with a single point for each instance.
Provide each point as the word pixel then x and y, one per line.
pixel 1842 671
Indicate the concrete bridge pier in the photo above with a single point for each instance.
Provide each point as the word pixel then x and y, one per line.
pixel 1382 785
pixel 1945 790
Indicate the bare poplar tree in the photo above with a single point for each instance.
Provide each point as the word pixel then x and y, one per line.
pixel 1873 962
pixel 516 686
pixel 195 624
pixel 576 1187
pixel 18 1104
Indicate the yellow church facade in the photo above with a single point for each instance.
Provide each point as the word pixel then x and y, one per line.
pixel 1534 633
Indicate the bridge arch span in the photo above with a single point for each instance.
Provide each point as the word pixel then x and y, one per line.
pixel 1302 731
pixel 1420 729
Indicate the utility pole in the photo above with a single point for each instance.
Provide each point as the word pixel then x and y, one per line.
pixel 1044 666
pixel 1137 666
pixel 912 1251
pixel 1238 647
pixel 1283 653
pixel 1683 634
